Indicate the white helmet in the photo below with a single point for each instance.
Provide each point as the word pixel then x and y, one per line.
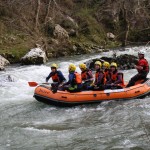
pixel 141 52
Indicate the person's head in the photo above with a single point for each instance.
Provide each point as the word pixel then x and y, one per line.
pixel 71 68
pixel 113 66
pixel 98 65
pixel 106 65
pixel 54 67
pixel 141 54
pixel 82 67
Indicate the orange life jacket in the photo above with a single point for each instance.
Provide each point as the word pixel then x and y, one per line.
pixel 106 74
pixel 78 78
pixel 55 77
pixel 114 77
pixel 97 76
pixel 86 74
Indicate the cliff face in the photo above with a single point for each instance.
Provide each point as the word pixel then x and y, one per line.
pixel 65 27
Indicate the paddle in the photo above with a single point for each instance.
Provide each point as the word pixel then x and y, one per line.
pixel 33 84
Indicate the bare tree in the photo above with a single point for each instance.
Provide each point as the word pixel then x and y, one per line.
pixel 37 14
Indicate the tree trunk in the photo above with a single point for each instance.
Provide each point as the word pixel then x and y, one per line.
pixel 37 15
pixel 47 13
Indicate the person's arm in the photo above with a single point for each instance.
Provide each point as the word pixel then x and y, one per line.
pixel 61 76
pixel 138 67
pixel 48 77
pixel 71 77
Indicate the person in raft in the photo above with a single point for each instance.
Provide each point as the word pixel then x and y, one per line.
pixel 56 75
pixel 74 83
pixel 99 78
pixel 106 70
pixel 116 80
pixel 86 75
pixel 142 68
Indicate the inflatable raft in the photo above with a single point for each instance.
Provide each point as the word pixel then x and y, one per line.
pixel 63 98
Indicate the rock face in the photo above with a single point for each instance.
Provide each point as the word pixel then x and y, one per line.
pixel 3 63
pixel 60 32
pixel 124 61
pixel 34 56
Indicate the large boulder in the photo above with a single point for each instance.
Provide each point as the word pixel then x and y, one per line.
pixel 3 62
pixel 34 56
pixel 124 61
pixel 60 32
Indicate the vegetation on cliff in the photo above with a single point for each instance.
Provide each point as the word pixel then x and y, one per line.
pixel 64 27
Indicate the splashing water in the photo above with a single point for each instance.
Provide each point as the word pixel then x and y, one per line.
pixel 28 124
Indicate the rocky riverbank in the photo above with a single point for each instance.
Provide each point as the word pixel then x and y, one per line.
pixel 70 27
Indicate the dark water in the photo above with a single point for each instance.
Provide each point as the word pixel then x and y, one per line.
pixel 109 125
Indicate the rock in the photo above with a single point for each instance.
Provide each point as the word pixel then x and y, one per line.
pixel 54 41
pixel 2 68
pixel 69 23
pixel 72 32
pixel 124 61
pixel 3 62
pixel 110 35
pixel 34 56
pixel 10 57
pixel 60 32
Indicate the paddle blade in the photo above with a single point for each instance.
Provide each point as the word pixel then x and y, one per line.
pixel 32 84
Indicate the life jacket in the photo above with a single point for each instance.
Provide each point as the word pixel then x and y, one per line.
pixel 114 77
pixel 106 73
pixel 97 76
pixel 55 77
pixel 144 63
pixel 86 74
pixel 78 78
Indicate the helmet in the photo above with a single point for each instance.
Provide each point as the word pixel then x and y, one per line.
pixel 98 63
pixel 54 66
pixel 141 52
pixel 82 66
pixel 106 64
pixel 113 64
pixel 72 67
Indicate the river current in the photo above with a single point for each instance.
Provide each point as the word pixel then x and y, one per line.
pixel 26 124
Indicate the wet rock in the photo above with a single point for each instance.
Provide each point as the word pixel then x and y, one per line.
pixel 3 62
pixel 124 61
pixel 110 35
pixel 10 57
pixel 60 32
pixel 34 56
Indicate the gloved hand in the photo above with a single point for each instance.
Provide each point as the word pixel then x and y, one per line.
pixel 92 84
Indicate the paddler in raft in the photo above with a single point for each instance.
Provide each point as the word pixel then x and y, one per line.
pixel 86 75
pixel 74 83
pixel 99 78
pixel 106 70
pixel 142 68
pixel 116 80
pixel 56 75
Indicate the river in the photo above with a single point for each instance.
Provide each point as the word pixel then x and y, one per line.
pixel 26 124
